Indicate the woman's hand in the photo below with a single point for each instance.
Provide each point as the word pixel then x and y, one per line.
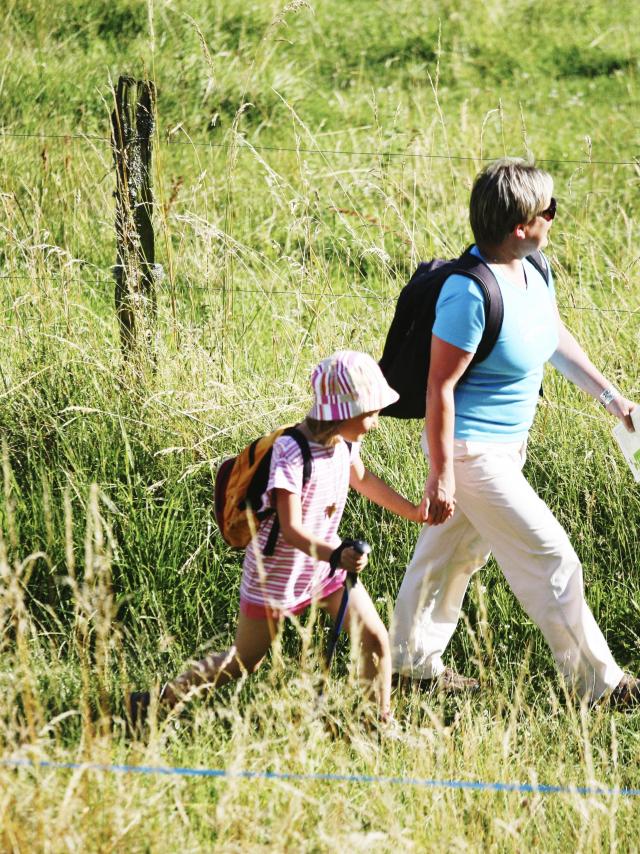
pixel 622 409
pixel 352 560
pixel 439 502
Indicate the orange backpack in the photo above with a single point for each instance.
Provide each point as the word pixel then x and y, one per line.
pixel 240 484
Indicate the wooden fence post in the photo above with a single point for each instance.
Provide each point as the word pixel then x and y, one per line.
pixel 135 272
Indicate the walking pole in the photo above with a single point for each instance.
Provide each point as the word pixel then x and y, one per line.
pixel 350 581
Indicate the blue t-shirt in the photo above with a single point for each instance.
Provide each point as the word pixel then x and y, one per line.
pixel 497 400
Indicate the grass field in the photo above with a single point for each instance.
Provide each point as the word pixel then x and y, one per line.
pixel 307 156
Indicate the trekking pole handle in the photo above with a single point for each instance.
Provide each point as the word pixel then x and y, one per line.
pixel 362 547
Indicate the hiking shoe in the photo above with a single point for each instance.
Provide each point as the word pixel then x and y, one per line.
pixel 447 682
pixel 626 695
pixel 139 702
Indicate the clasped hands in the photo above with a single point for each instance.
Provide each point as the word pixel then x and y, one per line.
pixel 438 502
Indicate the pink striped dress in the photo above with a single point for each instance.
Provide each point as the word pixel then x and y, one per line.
pixel 288 581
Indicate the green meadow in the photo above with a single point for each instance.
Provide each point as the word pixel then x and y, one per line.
pixel 307 156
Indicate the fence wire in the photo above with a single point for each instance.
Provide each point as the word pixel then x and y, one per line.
pixel 174 288
pixel 351 152
pixel 185 288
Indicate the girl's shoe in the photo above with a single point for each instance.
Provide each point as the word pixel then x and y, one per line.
pixel 138 708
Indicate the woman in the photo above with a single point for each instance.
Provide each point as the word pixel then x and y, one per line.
pixel 476 498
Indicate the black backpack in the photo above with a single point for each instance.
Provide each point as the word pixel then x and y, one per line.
pixel 405 358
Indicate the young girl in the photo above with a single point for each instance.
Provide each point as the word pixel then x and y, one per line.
pixel 349 390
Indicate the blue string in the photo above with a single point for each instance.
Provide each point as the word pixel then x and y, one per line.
pixel 522 788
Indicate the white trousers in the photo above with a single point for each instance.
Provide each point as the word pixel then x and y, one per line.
pixel 498 511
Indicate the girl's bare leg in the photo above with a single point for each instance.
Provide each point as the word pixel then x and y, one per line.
pixel 252 642
pixel 363 621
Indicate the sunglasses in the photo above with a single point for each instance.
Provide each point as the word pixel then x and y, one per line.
pixel 550 212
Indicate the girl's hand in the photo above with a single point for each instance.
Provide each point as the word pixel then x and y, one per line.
pixel 438 497
pixel 420 513
pixel 352 560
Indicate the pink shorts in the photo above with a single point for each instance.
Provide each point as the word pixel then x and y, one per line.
pixel 265 612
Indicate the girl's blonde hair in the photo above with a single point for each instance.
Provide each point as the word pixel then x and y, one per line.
pixel 506 193
pixel 324 432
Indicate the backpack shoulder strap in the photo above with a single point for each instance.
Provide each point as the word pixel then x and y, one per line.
pixel 475 268
pixel 301 440
pixel 305 450
pixel 541 264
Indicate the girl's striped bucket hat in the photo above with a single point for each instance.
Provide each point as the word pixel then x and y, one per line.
pixel 346 384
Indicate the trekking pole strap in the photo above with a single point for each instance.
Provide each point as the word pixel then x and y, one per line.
pixel 350 581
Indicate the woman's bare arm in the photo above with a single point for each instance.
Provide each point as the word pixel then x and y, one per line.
pixel 573 363
pixel 447 364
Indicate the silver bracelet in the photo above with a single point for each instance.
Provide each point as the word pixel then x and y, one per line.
pixel 607 395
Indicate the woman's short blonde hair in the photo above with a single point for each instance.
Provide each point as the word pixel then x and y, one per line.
pixel 505 194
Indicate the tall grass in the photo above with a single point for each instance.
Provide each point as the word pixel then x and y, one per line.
pixel 111 572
